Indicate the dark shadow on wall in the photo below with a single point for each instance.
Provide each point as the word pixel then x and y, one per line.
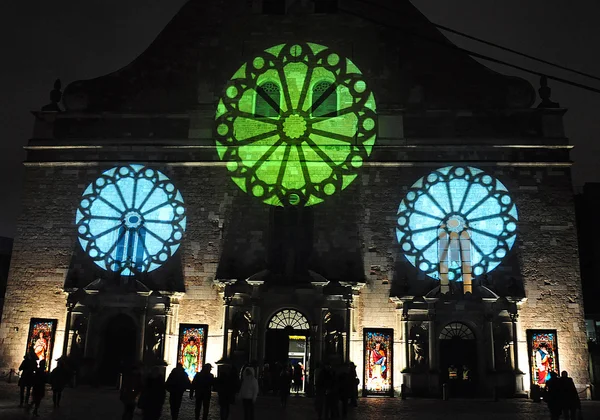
pixel 504 280
pixel 243 249
pixel 83 271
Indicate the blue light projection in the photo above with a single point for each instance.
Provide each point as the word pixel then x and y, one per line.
pixel 131 219
pixel 456 202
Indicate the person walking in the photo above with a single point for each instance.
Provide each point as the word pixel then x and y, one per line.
pixel 153 396
pixel 570 397
pixel 27 368
pixel 249 392
pixel 130 389
pixel 202 386
pixel 285 382
pixel 553 395
pixel 227 385
pixel 177 383
pixel 39 386
pixel 59 378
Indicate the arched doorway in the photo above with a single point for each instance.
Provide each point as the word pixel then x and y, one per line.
pixel 286 342
pixel 458 359
pixel 119 350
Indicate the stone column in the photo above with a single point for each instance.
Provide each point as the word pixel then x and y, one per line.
pixel 68 331
pixel 226 330
pixel 489 319
pixel 432 341
pixel 513 318
pixel 142 333
pixel 348 328
pixel 405 333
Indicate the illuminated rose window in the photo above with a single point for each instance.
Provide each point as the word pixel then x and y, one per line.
pixel 295 124
pixel 131 219
pixel 456 223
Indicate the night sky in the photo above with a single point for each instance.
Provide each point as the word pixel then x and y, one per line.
pixel 74 40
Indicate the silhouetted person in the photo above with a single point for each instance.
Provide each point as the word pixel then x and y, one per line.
pixel 553 395
pixel 332 396
pixel 298 376
pixel 27 366
pixel 321 383
pixel 248 393
pixel 39 386
pixel 202 386
pixel 265 382
pixel 59 378
pixel 353 377
pixel 153 396
pixel 227 385
pixel 344 386
pixel 177 383
pixel 570 397
pixel 285 382
pixel 130 389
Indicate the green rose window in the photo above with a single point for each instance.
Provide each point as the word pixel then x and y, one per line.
pixel 295 124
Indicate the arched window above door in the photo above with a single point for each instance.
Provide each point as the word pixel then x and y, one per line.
pixel 267 100
pixel 289 318
pixel 324 100
pixel 457 330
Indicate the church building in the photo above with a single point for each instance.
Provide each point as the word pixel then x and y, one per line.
pixel 308 182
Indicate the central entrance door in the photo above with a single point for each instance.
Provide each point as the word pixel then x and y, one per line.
pixel 119 350
pixel 458 359
pixel 286 343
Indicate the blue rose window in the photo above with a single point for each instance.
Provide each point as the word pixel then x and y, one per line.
pixel 131 219
pixel 456 223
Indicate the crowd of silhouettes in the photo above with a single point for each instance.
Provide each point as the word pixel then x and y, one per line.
pixel 335 389
pixel 561 396
pixel 33 380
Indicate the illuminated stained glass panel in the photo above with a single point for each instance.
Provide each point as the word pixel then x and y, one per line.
pixel 192 347
pixel 378 373
pixel 295 124
pixel 543 355
pixel 40 340
pixel 462 200
pixel 131 219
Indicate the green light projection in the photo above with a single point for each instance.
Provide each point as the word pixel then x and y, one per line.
pixel 295 124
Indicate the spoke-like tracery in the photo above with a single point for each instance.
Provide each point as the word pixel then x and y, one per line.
pixel 288 318
pixel 131 219
pixel 322 130
pixel 467 212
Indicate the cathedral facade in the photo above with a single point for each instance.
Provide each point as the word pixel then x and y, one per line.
pixel 301 182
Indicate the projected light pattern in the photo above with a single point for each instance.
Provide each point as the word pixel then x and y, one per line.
pixel 457 199
pixel 295 124
pixel 131 219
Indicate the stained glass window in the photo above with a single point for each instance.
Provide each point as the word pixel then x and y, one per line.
pixel 131 219
pixel 314 139
pixel 458 218
pixel 289 318
pixel 456 330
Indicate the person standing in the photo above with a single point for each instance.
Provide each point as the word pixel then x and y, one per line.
pixel 177 383
pixel 59 378
pixel 26 380
pixel 39 386
pixel 570 397
pixel 249 392
pixel 153 396
pixel 227 385
pixel 355 382
pixel 553 396
pixel 130 389
pixel 285 382
pixel 202 386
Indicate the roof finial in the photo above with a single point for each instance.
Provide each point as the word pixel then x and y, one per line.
pixel 545 92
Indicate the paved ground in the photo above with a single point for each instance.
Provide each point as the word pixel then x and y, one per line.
pixel 103 404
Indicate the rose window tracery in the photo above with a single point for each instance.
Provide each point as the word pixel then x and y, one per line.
pixel 131 219
pixel 295 124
